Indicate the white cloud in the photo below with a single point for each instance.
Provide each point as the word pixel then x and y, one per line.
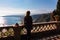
pixel 15 11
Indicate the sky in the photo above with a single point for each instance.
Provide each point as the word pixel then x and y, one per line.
pixel 19 7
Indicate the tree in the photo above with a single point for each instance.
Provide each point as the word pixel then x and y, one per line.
pixel 58 7
pixel 56 11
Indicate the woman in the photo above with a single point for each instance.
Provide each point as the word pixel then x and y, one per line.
pixel 28 24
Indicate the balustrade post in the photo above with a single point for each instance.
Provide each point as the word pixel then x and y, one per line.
pixel 17 30
pixel 17 33
pixel 58 28
pixel 57 24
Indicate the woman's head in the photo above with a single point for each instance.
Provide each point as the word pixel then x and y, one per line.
pixel 28 13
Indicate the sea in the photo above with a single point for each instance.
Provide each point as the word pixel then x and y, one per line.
pixel 9 20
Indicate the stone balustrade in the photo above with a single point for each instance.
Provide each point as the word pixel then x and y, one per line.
pixel 37 27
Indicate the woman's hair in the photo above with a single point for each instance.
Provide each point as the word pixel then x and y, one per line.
pixel 27 13
pixel 16 24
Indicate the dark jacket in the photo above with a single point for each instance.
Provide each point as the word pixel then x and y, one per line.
pixel 28 22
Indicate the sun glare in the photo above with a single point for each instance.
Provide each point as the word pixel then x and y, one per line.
pixel 2 21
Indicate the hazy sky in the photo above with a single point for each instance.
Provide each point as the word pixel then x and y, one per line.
pixel 8 7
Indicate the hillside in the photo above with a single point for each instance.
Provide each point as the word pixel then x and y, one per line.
pixel 41 17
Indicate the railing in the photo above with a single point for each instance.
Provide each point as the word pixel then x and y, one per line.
pixel 43 27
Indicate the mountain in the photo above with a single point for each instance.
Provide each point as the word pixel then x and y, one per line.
pixel 13 16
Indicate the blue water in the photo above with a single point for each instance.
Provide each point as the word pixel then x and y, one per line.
pixel 10 20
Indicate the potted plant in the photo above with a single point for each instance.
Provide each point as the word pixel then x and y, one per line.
pixel 57 17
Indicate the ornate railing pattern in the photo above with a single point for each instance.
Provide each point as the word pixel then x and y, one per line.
pixel 37 27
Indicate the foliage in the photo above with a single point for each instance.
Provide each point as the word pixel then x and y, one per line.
pixel 58 7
